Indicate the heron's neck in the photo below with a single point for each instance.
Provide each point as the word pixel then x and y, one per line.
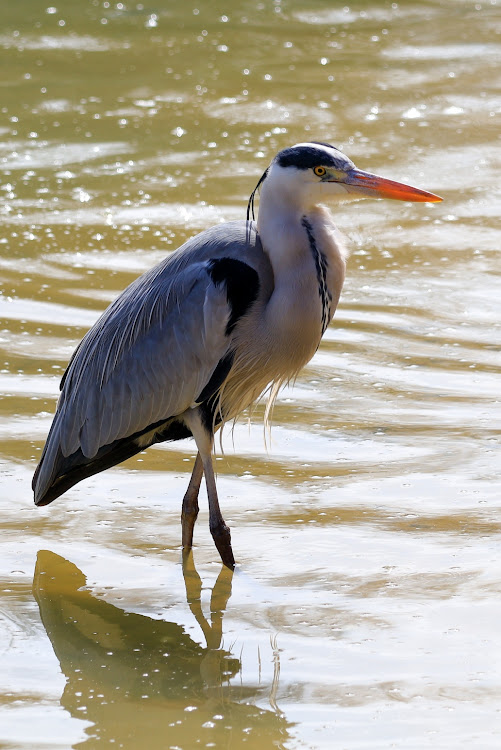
pixel 308 258
pixel 279 226
pixel 293 235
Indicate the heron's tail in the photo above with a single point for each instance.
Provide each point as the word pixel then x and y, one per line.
pixel 56 472
pixel 55 475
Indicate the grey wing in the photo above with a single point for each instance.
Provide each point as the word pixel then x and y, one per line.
pixel 139 367
pixel 152 352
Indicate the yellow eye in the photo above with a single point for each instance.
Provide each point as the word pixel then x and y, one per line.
pixel 319 171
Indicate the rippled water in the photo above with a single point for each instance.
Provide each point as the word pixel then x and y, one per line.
pixel 365 609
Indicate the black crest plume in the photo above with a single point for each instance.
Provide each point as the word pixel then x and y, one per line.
pixel 250 205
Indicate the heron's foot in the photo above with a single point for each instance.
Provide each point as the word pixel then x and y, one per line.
pixel 222 539
pixel 189 511
pixel 188 519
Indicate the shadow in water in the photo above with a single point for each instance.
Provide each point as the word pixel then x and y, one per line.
pixel 144 682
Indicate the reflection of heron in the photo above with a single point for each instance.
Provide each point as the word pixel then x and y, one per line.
pixel 236 311
pixel 144 682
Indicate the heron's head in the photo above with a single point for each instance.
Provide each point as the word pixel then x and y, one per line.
pixel 310 173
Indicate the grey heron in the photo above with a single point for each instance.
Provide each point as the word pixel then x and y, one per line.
pixel 236 311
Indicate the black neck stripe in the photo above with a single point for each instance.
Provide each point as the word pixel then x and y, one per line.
pixel 321 269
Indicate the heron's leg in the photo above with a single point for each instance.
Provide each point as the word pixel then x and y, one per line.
pixel 189 511
pixel 204 439
pixel 219 530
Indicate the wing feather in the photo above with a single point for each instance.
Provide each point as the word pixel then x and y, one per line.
pixel 151 353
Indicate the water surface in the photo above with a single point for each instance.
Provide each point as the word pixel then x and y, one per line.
pixel 365 609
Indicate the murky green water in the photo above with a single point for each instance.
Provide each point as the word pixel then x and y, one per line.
pixel 365 609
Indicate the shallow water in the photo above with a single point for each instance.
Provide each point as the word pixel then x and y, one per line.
pixel 365 608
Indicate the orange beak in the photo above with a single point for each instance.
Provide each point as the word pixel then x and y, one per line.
pixel 365 183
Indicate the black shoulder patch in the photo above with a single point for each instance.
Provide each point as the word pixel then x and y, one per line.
pixel 242 286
